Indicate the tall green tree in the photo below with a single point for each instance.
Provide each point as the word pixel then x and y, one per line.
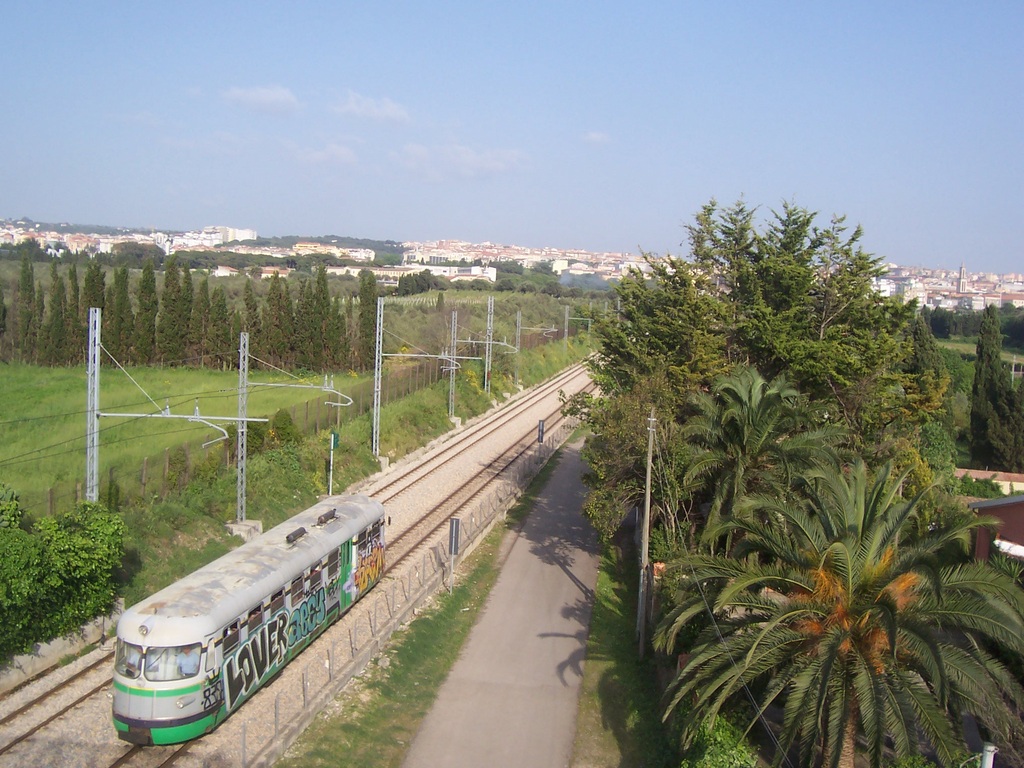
pixel 199 323
pixel 3 319
pixel 991 398
pixel 119 318
pixel 26 298
pixel 668 321
pixel 834 610
pixel 144 339
pixel 54 349
pixel 800 299
pixel 76 321
pixel 367 337
pixel 94 287
pixel 185 308
pixel 279 334
pixel 337 337
pixel 172 325
pixel 251 320
pixel 220 328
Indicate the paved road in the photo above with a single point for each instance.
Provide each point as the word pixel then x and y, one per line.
pixel 511 698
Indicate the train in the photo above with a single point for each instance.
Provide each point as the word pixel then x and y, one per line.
pixel 190 655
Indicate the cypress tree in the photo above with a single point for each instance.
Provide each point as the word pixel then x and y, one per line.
pixel 219 328
pixel 367 340
pixel 305 333
pixel 991 397
pixel 170 330
pixel 3 320
pixel 38 306
pixel 94 287
pixel 199 323
pixel 121 327
pixel 251 320
pixel 54 340
pixel 76 322
pixel 278 332
pixel 185 309
pixel 26 311
pixel 144 337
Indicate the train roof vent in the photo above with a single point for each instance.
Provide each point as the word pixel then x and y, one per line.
pixel 327 516
pixel 295 535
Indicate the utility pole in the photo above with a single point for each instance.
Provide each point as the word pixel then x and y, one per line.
pixel 487 344
pixel 519 331
pixel 92 409
pixel 243 412
pixel 452 365
pixel 377 373
pixel 641 622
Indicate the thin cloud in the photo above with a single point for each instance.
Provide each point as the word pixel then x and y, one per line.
pixel 457 161
pixel 596 137
pixel 272 99
pixel 373 109
pixel 220 143
pixel 333 154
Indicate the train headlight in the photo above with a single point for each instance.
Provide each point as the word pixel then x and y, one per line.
pixel 145 626
pixel 182 703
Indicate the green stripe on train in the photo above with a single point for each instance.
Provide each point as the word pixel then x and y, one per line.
pixel 179 733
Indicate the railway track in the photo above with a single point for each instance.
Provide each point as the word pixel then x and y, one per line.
pixel 461 443
pixel 37 732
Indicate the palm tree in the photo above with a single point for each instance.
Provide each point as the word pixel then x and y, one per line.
pixel 831 609
pixel 750 435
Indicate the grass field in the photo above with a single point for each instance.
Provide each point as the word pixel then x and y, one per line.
pixel 970 347
pixel 43 421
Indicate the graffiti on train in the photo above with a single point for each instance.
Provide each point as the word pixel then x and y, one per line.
pixel 257 658
pixel 310 614
pixel 368 569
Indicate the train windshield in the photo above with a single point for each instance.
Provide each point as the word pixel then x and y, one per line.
pixel 173 663
pixel 128 661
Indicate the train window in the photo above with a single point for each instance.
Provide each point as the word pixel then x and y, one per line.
pixel 277 601
pixel 297 591
pixel 173 663
pixel 128 661
pixel 230 637
pixel 314 578
pixel 255 618
pixel 332 566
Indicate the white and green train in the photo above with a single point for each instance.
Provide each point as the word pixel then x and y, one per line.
pixel 190 655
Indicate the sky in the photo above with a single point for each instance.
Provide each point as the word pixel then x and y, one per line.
pixel 603 126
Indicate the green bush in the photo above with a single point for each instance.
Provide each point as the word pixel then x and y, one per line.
pixel 721 746
pixel 914 761
pixel 981 489
pixel 57 576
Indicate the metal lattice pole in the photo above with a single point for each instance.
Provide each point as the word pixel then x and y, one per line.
pixel 243 409
pixel 488 344
pixel 519 331
pixel 377 366
pixel 451 368
pixel 92 412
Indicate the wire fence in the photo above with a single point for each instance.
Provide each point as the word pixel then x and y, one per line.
pixel 326 669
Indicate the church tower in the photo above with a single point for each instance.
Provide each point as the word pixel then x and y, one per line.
pixel 961 285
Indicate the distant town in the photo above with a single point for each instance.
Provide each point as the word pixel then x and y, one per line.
pixel 460 260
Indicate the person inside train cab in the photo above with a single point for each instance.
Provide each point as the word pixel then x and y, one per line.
pixel 188 660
